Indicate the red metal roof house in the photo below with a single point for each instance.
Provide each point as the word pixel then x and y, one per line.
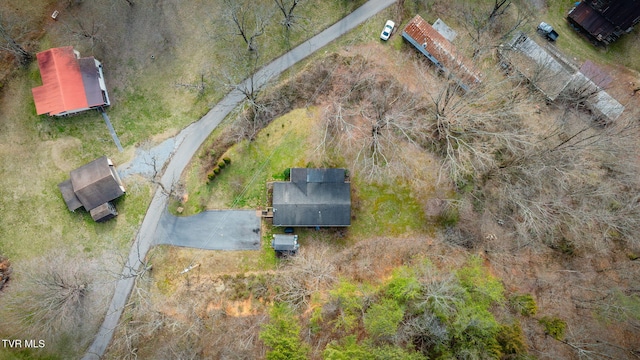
pixel 70 84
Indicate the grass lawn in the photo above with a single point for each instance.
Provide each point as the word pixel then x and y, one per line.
pixel 242 183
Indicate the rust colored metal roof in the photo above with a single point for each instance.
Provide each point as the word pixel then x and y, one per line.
pixel 68 83
pixel 438 46
pixel 605 17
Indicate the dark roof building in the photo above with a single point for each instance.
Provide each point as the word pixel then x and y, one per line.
pixel 313 197
pixel 439 50
pixel 70 84
pixel 605 20
pixel 93 186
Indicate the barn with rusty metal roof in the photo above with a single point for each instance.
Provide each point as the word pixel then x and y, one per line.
pixel 605 20
pixel 440 51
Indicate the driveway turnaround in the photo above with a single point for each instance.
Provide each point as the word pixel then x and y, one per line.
pixel 211 230
pixel 194 135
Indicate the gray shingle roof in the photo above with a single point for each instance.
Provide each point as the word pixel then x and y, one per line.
pixel 313 197
pixel 285 242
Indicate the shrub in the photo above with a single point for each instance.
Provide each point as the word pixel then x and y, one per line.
pixel 211 175
pixel 226 160
pixel 348 348
pixel 222 164
pixel 449 216
pixel 287 173
pixel 382 319
pixel 403 286
pixel 511 339
pixel 346 296
pixel 524 304
pixel 554 327
pixel 281 335
pixel 5 270
pixel 216 170
pixel 483 287
pixel 345 349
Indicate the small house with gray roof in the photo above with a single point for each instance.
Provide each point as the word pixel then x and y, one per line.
pixel 312 198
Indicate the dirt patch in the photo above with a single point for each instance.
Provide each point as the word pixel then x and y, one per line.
pixel 61 152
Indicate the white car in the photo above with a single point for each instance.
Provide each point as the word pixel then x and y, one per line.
pixel 388 29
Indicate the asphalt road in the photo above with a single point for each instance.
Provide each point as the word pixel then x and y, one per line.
pixel 194 135
pixel 211 230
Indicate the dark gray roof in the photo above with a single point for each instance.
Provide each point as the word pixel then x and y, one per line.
pixel 103 212
pixel 70 198
pixel 89 72
pixel 317 175
pixel 321 198
pixel 285 242
pixel 96 183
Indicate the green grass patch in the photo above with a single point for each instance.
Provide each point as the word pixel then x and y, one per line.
pixel 385 208
pixel 242 184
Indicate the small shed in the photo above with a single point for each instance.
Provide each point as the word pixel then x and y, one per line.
pixel 93 186
pixel 70 84
pixel 285 244
pixel 104 212
pixel 445 30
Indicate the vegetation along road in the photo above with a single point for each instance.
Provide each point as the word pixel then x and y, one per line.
pixel 194 135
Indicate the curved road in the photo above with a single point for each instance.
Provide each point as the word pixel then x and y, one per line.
pixel 193 136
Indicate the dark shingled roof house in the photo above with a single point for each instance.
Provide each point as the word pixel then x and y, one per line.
pixel 70 84
pixel 93 186
pixel 313 198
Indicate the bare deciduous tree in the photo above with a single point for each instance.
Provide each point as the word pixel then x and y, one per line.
pixel 86 29
pixel 371 116
pixel 249 22
pixel 557 191
pixel 487 27
pixel 59 297
pixel 467 129
pixel 287 7
pixel 10 33
pixel 306 273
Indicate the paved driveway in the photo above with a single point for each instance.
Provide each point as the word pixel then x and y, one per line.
pixel 211 230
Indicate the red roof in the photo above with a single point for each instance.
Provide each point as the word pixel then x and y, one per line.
pixel 63 87
pixel 438 46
